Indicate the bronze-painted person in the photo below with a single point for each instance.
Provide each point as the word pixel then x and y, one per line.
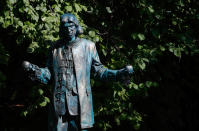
pixel 71 61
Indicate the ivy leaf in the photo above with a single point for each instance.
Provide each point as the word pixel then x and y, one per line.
pixel 96 39
pixel 20 23
pixel 24 113
pixel 68 8
pixel 142 64
pixel 40 91
pixel 149 83
pixel 104 52
pixel 6 14
pixel 145 59
pixel 6 24
pixel 174 22
pixel 47 99
pixel 141 85
pixel 177 52
pixel 32 47
pixel 141 36
pixel 134 36
pixel 56 7
pixel 12 1
pixel 139 47
pixel 77 7
pixel 135 86
pixel 108 9
pixel 1 20
pixel 42 104
pixel 91 33
pixel 151 9
pixel 162 48
pixel 84 7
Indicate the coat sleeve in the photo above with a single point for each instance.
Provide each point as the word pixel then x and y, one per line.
pixel 44 76
pixel 35 73
pixel 98 69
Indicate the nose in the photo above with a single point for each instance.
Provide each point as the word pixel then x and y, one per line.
pixel 69 29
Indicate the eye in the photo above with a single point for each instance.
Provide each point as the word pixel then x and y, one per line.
pixel 72 26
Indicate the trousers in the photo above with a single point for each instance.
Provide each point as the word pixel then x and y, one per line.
pixel 69 123
pixel 66 122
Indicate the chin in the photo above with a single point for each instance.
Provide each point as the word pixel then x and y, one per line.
pixel 68 37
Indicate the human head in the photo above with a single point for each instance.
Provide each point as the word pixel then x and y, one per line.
pixel 67 21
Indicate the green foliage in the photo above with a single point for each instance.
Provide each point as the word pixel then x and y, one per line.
pixel 136 32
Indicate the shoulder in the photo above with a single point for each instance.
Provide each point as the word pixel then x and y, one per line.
pixel 88 43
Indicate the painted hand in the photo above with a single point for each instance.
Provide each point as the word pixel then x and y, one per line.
pixel 32 70
pixel 124 75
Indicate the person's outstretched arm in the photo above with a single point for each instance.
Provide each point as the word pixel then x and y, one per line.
pixel 35 73
pixel 106 74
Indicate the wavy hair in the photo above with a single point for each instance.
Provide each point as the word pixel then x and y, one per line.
pixel 68 17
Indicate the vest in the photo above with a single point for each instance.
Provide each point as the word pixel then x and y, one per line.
pixel 66 82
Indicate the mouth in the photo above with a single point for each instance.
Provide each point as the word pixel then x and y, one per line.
pixel 69 36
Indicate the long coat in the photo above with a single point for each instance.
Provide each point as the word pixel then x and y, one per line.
pixel 86 60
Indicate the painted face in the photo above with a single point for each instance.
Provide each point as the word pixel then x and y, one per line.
pixel 69 30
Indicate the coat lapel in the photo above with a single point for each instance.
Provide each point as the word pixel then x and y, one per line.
pixel 80 62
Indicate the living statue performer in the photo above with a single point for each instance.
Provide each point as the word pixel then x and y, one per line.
pixel 71 61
